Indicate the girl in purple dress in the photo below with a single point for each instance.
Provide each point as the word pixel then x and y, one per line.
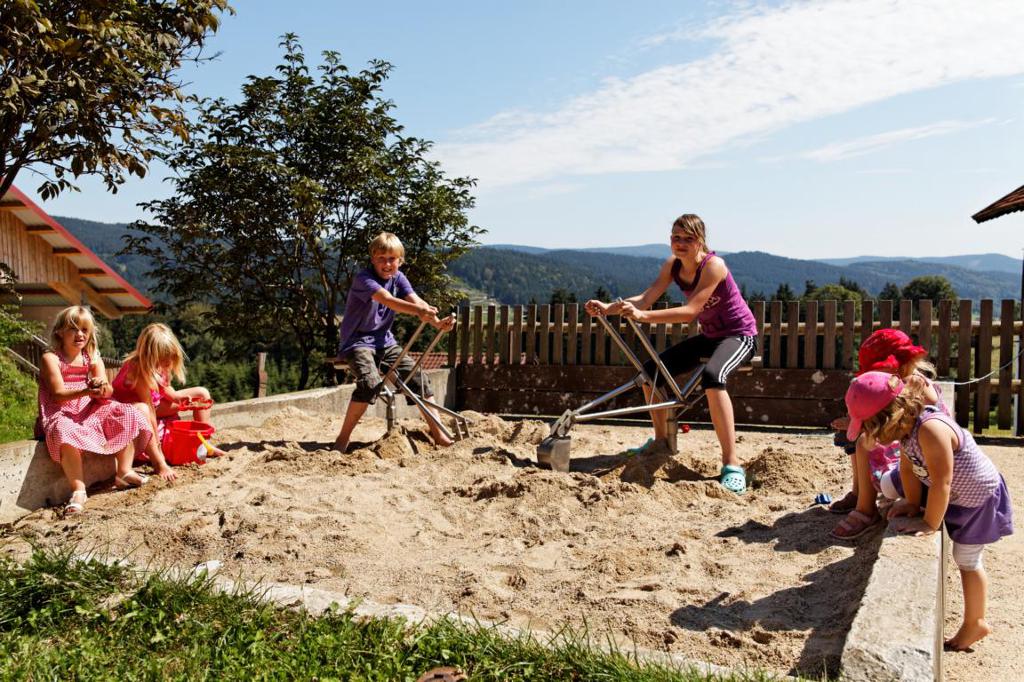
pixel 965 491
pixel 728 332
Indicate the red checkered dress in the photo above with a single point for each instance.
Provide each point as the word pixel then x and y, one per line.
pixel 103 427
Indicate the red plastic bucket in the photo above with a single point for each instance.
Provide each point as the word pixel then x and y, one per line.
pixel 183 442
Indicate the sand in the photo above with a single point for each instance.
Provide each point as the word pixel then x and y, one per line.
pixel 647 548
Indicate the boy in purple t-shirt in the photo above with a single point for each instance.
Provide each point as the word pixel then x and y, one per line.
pixel 377 293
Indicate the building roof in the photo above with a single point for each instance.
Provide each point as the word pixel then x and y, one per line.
pixel 104 288
pixel 1014 201
pixel 433 360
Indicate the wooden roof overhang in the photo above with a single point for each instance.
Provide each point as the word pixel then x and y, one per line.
pixel 1014 201
pixel 79 272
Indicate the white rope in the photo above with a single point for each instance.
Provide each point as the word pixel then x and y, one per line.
pixel 995 371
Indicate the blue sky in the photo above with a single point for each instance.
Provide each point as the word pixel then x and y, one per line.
pixel 805 129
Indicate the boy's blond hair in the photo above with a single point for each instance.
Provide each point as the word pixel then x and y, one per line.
pixel 157 348
pixel 387 242
pixel 896 420
pixel 691 224
pixel 75 317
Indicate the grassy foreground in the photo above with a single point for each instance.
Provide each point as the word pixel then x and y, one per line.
pixel 63 619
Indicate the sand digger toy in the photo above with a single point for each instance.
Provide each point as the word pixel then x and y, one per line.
pixel 554 450
pixel 394 384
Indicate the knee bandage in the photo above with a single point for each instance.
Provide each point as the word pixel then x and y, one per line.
pixel 967 557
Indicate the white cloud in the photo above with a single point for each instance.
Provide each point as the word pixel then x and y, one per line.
pixel 773 67
pixel 873 143
pixel 884 171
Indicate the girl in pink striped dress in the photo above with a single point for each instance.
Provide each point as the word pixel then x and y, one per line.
pixel 76 415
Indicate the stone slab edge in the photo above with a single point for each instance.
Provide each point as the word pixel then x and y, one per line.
pixel 897 632
pixel 317 602
pixel 29 479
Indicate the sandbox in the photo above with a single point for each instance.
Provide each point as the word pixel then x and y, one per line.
pixel 648 549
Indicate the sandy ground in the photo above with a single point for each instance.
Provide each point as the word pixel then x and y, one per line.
pixel 997 657
pixel 647 548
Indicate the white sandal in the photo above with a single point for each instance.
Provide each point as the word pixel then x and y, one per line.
pixel 124 484
pixel 76 503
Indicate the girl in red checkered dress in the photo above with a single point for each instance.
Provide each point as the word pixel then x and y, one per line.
pixel 76 415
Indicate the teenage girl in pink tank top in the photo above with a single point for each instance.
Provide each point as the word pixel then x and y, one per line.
pixel 728 332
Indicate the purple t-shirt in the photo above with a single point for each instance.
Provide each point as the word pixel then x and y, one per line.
pixel 367 324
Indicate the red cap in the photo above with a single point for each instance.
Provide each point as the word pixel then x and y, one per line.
pixel 869 394
pixel 887 350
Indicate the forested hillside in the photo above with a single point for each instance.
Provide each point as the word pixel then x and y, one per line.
pixel 517 277
pixel 517 274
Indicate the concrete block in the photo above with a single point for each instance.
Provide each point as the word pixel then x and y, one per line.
pixel 897 633
pixel 30 479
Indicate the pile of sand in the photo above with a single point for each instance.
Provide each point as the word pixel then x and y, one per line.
pixel 646 547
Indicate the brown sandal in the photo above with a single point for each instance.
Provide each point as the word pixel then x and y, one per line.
pixel 854 525
pixel 845 505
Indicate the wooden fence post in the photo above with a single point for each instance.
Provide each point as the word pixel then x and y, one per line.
pixel 963 363
pixel 261 375
pixel 983 367
pixel 1004 415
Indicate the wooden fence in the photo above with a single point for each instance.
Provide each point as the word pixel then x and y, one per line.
pixel 29 354
pixel 532 359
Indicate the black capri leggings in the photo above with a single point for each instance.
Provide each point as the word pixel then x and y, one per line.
pixel 726 355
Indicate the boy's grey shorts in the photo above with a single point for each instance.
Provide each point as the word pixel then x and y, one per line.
pixel 363 362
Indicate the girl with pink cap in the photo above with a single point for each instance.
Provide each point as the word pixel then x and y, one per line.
pixel 892 351
pixel 964 489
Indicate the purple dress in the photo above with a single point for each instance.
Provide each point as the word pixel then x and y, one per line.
pixel 979 510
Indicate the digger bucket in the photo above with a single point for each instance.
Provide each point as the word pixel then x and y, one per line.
pixel 554 452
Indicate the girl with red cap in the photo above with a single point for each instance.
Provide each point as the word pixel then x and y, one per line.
pixel 891 351
pixel 965 491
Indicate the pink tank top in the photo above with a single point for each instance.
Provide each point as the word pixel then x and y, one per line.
pixel 725 313
pixel 125 393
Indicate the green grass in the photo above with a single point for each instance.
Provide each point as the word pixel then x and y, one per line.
pixel 64 619
pixel 18 403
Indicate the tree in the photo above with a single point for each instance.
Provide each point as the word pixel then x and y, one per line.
pixel 934 287
pixel 834 292
pixel 852 285
pixel 13 329
pixel 784 293
pixel 88 88
pixel 890 292
pixel 562 295
pixel 809 287
pixel 278 196
pixel 602 294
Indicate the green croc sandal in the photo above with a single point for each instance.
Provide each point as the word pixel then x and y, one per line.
pixel 631 452
pixel 733 479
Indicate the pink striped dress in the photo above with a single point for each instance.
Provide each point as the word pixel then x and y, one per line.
pixel 103 427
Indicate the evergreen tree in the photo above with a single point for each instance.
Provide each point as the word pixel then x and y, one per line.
pixel 890 292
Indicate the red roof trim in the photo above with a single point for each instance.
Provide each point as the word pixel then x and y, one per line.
pixel 1014 201
pixel 85 251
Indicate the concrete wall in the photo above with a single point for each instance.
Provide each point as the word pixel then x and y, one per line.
pixel 29 479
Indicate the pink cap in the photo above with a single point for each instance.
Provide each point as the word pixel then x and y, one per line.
pixel 868 395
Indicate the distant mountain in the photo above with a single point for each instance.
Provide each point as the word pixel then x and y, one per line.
pixel 105 240
pixel 518 247
pixel 987 262
pixel 512 276
pixel 640 251
pixel 515 274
